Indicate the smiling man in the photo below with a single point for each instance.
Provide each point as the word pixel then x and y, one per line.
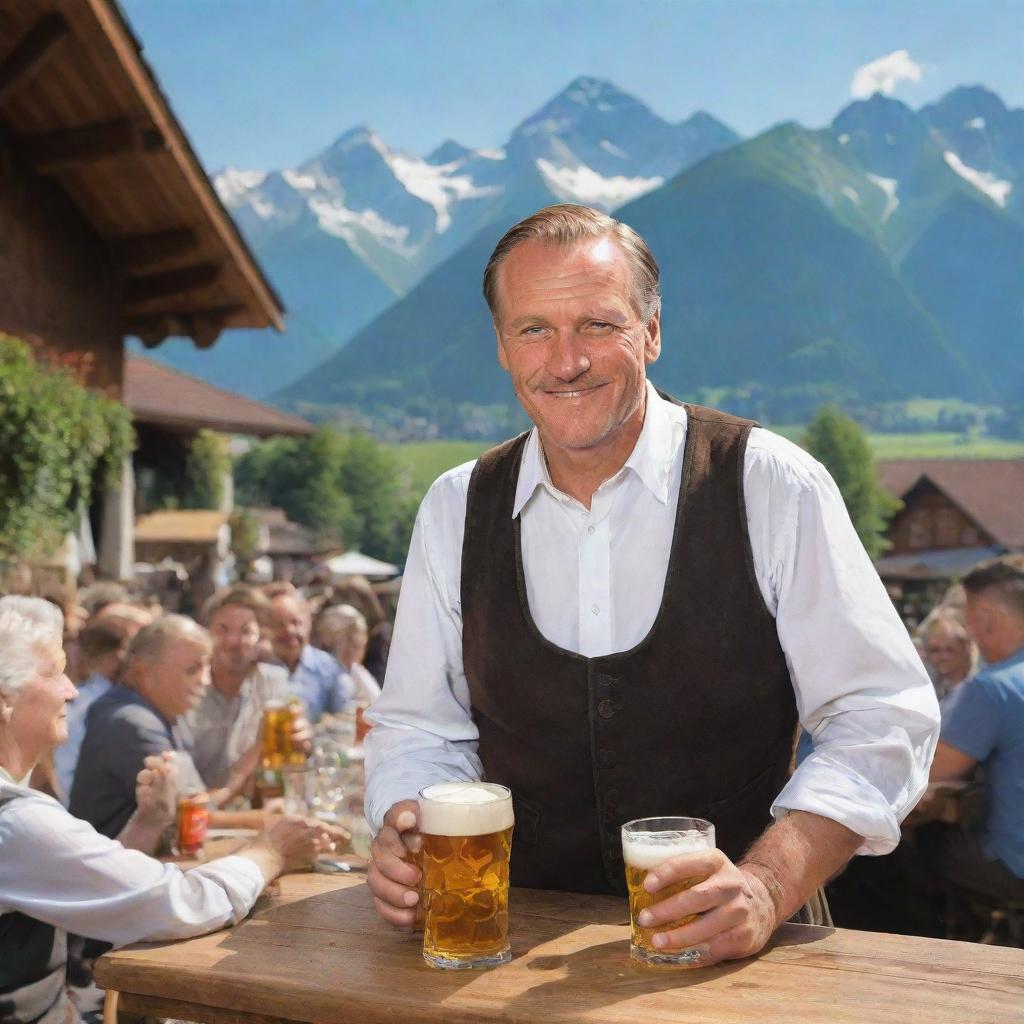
pixel 625 612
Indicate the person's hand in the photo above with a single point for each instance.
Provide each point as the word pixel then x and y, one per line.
pixel 737 913
pixel 302 733
pixel 156 789
pixel 391 877
pixel 299 841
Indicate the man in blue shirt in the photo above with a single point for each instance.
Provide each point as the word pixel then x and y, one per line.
pixel 985 725
pixel 312 674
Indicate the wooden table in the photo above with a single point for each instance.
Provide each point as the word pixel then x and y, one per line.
pixel 314 950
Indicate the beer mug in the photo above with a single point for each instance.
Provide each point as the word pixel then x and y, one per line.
pixel 278 718
pixel 467 840
pixel 646 843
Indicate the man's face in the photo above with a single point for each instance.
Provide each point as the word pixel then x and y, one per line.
pixel 572 341
pixel 236 635
pixel 179 676
pixel 289 628
pixel 40 709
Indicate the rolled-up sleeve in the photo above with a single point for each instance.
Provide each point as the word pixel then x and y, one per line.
pixel 861 689
pixel 60 870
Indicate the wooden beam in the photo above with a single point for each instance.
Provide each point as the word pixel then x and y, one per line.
pixel 133 251
pixel 170 282
pixel 88 143
pixel 31 53
pixel 203 326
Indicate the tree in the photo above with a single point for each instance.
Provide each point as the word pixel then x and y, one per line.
pixel 840 445
pixel 57 440
pixel 206 469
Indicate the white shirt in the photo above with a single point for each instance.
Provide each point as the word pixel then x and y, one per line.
pixel 58 869
pixel 594 583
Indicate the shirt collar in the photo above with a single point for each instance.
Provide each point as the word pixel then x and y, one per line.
pixel 651 459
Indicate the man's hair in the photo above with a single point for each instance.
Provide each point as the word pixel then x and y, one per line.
pixel 101 637
pixel 151 641
pixel 567 224
pixel 29 626
pixel 1002 578
pixel 279 588
pixel 239 596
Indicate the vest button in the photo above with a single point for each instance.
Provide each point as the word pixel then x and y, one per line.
pixel 606 758
pixel 606 709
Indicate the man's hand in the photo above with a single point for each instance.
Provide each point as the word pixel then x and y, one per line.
pixel 302 733
pixel 391 877
pixel 737 913
pixel 156 790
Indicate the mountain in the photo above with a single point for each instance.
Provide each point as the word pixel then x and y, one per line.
pixel 865 262
pixel 359 224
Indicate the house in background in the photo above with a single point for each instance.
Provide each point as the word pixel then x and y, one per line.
pixel 110 225
pixel 956 513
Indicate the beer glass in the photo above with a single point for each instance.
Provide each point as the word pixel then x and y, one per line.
pixel 467 839
pixel 278 718
pixel 646 843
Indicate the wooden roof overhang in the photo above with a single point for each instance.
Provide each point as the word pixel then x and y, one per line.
pixel 78 103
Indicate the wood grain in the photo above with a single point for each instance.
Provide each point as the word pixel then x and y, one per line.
pixel 314 950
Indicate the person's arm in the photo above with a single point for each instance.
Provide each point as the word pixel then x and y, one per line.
pixel 59 870
pixel 970 729
pixel 156 798
pixel 950 764
pixel 423 730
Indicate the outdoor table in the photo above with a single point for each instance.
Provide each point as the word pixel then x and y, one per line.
pixel 315 950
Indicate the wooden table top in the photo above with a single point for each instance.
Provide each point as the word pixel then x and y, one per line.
pixel 315 950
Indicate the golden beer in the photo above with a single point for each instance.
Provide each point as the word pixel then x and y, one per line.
pixel 646 843
pixel 278 750
pixel 467 842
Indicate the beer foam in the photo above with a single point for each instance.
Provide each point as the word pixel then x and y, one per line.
pixel 465 809
pixel 648 850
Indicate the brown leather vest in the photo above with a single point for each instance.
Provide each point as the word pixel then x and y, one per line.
pixel 696 720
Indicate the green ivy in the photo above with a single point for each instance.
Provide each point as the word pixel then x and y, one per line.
pixel 57 440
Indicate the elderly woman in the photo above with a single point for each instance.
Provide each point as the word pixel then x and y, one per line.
pixel 948 650
pixel 341 630
pixel 57 874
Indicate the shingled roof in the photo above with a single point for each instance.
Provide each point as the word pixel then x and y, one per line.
pixel 164 397
pixel 990 491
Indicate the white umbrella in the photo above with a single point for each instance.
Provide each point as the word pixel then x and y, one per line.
pixel 353 563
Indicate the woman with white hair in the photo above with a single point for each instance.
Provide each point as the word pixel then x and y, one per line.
pixel 341 631
pixel 58 875
pixel 948 650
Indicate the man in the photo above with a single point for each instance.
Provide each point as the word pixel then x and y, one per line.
pixel 983 723
pixel 166 672
pixel 313 674
pixel 622 613
pixel 102 647
pixel 226 724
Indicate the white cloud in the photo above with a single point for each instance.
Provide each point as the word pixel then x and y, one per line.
pixel 884 74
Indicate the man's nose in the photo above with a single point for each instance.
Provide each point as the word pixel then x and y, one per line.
pixel 567 359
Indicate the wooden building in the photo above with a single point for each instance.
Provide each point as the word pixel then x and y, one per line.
pixel 956 513
pixel 110 226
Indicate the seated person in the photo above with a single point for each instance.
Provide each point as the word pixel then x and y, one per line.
pixel 985 725
pixel 949 653
pixel 313 674
pixel 166 672
pixel 226 724
pixel 102 648
pixel 57 874
pixel 341 631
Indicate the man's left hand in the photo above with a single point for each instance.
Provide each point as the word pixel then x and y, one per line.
pixel 737 915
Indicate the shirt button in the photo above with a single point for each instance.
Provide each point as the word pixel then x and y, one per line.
pixel 590 529
pixel 596 609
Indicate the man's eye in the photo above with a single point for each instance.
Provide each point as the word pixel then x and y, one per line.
pixel 600 325
pixel 533 331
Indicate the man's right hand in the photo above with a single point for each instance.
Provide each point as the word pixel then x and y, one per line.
pixel 391 876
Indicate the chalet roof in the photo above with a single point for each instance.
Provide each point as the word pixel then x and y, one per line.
pixel 180 526
pixel 990 491
pixel 288 538
pixel 164 397
pixel 81 105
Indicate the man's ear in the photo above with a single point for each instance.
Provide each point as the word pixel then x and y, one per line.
pixel 6 712
pixel 652 341
pixel 502 357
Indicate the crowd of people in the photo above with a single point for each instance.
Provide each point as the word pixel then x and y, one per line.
pixel 630 611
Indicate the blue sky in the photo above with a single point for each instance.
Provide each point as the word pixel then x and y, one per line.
pixel 268 83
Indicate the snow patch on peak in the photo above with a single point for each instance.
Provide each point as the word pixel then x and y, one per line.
pixel 610 147
pixel 852 194
pixel 984 181
pixel 889 187
pixel 585 185
pixel 233 184
pixel 977 123
pixel 490 154
pixel 844 139
pixel 337 219
pixel 300 182
pixel 436 185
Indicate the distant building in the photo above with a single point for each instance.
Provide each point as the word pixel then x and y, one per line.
pixel 293 551
pixel 957 512
pixel 110 225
